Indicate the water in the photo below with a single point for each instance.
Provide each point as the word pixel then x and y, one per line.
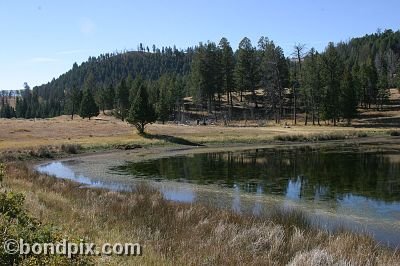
pixel 359 191
pixel 295 175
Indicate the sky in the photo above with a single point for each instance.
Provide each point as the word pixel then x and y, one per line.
pixel 41 39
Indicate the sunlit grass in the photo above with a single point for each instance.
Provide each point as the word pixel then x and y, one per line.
pixel 177 234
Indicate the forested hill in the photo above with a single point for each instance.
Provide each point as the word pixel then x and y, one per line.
pixel 109 69
pixel 330 84
pixel 381 48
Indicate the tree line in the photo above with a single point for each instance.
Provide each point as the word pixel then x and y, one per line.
pixel 329 85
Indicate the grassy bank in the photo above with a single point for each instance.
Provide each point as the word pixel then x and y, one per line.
pixel 108 131
pixel 71 148
pixel 183 234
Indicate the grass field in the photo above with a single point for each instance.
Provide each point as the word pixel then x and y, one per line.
pixel 107 130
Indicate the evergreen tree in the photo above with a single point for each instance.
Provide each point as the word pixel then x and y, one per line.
pixel 247 69
pixel 207 73
pixel 348 99
pixel 164 102
pixel 383 87
pixel 122 99
pixel 274 76
pixel 228 67
pixel 109 97
pixel 6 111
pixel 141 111
pixel 74 98
pixel 88 107
pixel 332 73
pixel 312 83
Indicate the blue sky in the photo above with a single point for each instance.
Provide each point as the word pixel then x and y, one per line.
pixel 42 39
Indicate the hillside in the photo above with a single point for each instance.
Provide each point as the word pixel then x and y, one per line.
pixel 109 69
pixel 259 82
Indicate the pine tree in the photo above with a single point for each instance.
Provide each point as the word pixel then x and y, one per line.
pixel 383 87
pixel 312 83
pixel 122 99
pixel 207 73
pixel 348 99
pixel 274 76
pixel 89 107
pixel 74 99
pixel 109 97
pixel 141 112
pixel 164 102
pixel 228 67
pixel 332 72
pixel 247 69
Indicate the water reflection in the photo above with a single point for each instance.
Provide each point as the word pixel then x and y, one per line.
pixel 297 175
pixel 359 191
pixel 61 170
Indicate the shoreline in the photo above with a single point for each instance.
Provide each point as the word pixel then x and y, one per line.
pixel 95 166
pixel 57 201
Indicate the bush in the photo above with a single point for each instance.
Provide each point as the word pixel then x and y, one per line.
pixel 2 172
pixel 394 133
pixel 42 152
pixel 362 135
pixel 16 224
pixel 71 148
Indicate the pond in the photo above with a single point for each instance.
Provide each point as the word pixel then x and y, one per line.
pixel 358 191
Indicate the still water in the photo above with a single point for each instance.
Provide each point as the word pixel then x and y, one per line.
pixel 359 191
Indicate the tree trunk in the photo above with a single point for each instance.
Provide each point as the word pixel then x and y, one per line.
pixel 294 107
pixel 306 121
pixel 73 112
pixel 313 116
pixel 255 98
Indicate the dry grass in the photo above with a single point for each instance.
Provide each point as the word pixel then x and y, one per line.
pixel 182 234
pixel 108 131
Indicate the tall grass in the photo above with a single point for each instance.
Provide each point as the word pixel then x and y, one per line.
pixel 183 234
pixel 320 137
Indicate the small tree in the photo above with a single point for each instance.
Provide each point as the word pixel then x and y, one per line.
pixel 142 111
pixel 75 98
pixel 89 107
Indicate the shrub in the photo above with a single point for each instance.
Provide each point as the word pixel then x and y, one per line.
pixel 42 152
pixel 71 148
pixel 2 172
pixel 362 135
pixel 16 224
pixel 394 133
